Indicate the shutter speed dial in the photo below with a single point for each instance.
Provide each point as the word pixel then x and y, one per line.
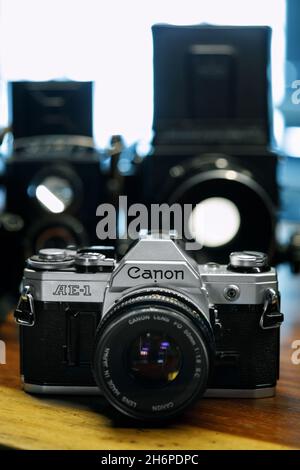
pixel 248 261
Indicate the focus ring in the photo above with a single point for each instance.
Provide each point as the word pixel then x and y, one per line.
pixel 163 296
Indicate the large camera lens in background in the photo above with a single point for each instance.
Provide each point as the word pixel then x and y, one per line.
pixel 231 209
pixel 53 178
pixel 152 354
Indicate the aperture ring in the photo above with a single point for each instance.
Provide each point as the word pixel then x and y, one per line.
pixel 167 297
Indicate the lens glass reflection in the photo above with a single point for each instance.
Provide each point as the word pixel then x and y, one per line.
pixel 154 359
pixel 55 194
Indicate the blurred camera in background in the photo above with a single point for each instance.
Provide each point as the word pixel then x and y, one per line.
pixel 213 135
pixel 53 180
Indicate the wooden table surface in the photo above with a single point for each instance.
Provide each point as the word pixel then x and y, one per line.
pixel 30 422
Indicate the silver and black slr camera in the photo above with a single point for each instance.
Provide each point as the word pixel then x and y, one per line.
pixel 152 332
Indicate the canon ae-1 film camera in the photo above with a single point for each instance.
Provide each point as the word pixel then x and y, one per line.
pixel 153 332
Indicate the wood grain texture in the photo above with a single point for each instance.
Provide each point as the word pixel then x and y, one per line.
pixel 29 422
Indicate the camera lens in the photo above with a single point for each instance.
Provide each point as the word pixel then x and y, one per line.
pixel 152 353
pixel 154 359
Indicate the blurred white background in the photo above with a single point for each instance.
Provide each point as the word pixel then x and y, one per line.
pixel 110 42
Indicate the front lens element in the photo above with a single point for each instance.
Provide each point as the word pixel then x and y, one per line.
pixel 154 359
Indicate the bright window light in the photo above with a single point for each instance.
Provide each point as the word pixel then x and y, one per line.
pixel 110 43
pixel 292 141
pixel 214 222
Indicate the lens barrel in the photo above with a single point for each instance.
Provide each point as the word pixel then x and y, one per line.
pixel 152 354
